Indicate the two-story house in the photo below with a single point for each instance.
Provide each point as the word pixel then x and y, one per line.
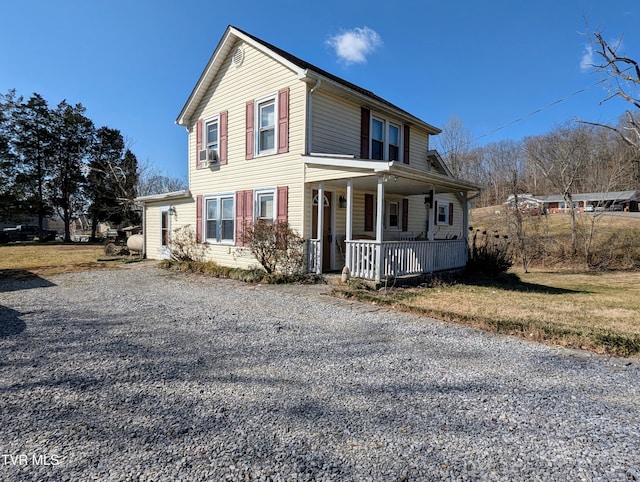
pixel 272 136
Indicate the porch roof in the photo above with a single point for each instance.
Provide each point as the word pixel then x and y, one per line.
pixel 400 178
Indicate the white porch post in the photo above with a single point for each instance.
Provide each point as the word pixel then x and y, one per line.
pixel 465 215
pixel 349 221
pixel 320 227
pixel 379 225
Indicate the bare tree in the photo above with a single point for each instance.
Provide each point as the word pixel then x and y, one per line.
pixel 561 156
pixel 152 181
pixel 455 144
pixel 624 83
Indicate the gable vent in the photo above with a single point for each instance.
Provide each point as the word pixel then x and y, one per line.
pixel 238 57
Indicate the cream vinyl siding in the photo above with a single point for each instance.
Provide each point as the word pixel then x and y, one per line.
pixel 258 77
pixel 336 125
pixel 185 213
pixel 444 231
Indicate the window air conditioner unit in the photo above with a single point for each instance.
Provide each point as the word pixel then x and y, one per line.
pixel 208 156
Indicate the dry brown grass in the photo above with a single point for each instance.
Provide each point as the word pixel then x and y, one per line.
pixel 599 312
pixel 23 260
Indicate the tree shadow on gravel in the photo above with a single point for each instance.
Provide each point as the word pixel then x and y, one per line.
pixel 21 279
pixel 10 322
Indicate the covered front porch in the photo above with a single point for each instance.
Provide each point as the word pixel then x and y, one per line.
pixel 383 219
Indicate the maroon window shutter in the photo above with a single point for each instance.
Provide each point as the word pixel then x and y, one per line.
pixel 435 212
pixel 224 135
pixel 368 212
pixel 365 124
pixel 283 204
pixel 283 120
pixel 239 217
pixel 251 140
pixel 450 214
pixel 244 213
pixel 199 207
pixel 405 214
pixel 405 157
pixel 198 142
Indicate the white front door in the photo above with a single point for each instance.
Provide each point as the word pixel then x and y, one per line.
pixel 165 233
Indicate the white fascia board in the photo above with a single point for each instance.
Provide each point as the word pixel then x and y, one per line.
pixel 184 194
pixel 338 162
pixel 402 170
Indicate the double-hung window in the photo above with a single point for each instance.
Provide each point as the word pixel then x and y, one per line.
pixel 443 213
pixel 393 220
pixel 219 219
pixel 377 139
pixel 385 140
pixel 211 140
pixel 265 205
pixel 266 112
pixel 394 142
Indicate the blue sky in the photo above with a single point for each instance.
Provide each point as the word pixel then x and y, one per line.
pixel 133 63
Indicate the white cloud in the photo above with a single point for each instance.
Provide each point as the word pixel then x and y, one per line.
pixel 353 46
pixel 587 61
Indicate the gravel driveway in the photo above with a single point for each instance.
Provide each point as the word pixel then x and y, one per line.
pixel 141 374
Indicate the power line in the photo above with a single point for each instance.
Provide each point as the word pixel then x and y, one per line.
pixel 537 111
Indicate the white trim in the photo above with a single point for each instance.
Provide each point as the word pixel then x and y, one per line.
pixel 184 194
pixel 165 250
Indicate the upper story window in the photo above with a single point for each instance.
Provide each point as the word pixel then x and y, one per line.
pixel 266 126
pixel 394 142
pixel 385 140
pixel 377 139
pixel 219 222
pixel 211 134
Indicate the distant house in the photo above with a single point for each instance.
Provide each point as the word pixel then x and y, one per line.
pixel 583 202
pixel 273 137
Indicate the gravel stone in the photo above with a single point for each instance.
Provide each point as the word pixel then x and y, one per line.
pixel 142 374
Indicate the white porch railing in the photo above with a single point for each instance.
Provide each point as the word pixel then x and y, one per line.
pixel 375 261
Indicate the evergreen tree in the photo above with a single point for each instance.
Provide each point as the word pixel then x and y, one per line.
pixel 34 148
pixel 73 135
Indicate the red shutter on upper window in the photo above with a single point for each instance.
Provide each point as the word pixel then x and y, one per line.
pixel 405 214
pixel 405 157
pixel 198 142
pixel 250 131
pixel 450 214
pixel 199 207
pixel 283 204
pixel 224 137
pixel 365 120
pixel 368 212
pixel 283 120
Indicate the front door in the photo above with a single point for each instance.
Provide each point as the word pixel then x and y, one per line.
pixel 165 233
pixel 327 232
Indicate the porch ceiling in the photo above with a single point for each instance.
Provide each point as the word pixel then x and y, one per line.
pixel 399 178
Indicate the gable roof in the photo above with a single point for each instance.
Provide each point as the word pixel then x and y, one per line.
pixel 303 69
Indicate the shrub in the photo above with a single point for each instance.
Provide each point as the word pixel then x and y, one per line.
pixel 184 245
pixel 276 246
pixel 489 254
